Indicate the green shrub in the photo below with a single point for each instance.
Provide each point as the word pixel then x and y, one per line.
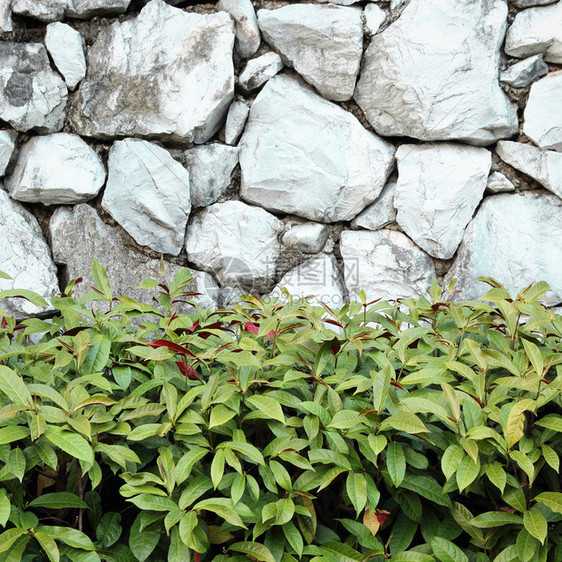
pixel 417 432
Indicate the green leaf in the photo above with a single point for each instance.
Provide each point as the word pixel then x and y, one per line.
pixel 220 414
pixel 59 500
pixel 187 462
pixel 345 419
pixel 12 385
pixel 404 421
pixel 551 457
pixel 269 407
pixel 380 387
pixel 515 497
pixel 30 296
pixel 13 433
pixel 48 545
pixel 551 421
pixel 258 551
pixel 451 460
pixel 221 507
pixel 553 500
pixel 467 472
pixel 536 524
pixel 71 537
pixel 446 551
pixel 396 462
pixel 109 529
pixel 524 463
pixel 534 354
pixel 497 475
pixel 98 354
pixel 356 488
pixel 142 543
pixel 178 551
pixel 247 450
pixel 9 537
pixel 492 519
pixel 101 279
pixel 293 537
pixel 281 475
pixel 527 545
pixel 70 443
pixel 5 507
pixel 426 487
pixel 217 468
pixel 153 503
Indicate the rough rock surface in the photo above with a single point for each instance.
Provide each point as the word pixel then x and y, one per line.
pixel 170 76
pixel 25 256
pixel 522 73
pixel 340 2
pixel 32 95
pixel 235 122
pixel 237 243
pixel 210 168
pixel 545 166
pixel 79 236
pixel 385 264
pixel 67 48
pixel 306 156
pixel 534 31
pixel 543 112
pixel 56 10
pixel 147 193
pixel 6 25
pixel 247 30
pixel 374 18
pixel 308 237
pixel 319 277
pixel 498 183
pixel 514 238
pixel 323 44
pixel 416 83
pixel 57 169
pixel 380 213
pixel 258 71
pixel 531 3
pixel 7 143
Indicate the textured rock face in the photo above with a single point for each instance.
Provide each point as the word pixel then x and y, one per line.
pixel 322 43
pixel 386 264
pixel 259 71
pixel 306 156
pixel 67 48
pixel 433 74
pixel 210 168
pixel 308 237
pixel 498 183
pixel 56 169
pixel 79 236
pixel 374 18
pixel 543 112
pixel 147 193
pixel 536 30
pixel 170 76
pixel 531 3
pixel 236 242
pixel 6 16
pixel 515 239
pixel 235 122
pixel 32 96
pixel 55 10
pixel 25 256
pixel 522 73
pixel 247 30
pixel 439 187
pixel 380 213
pixel 7 143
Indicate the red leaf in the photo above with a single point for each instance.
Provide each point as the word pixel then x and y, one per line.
pixel 382 515
pixel 196 557
pixel 397 384
pixel 186 371
pixel 4 323
pixel 270 334
pixel 249 327
pixel 171 345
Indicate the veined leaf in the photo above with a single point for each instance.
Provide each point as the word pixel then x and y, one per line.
pixel 223 508
pixel 451 460
pixel 467 472
pixel 48 545
pixel 551 421
pixel 59 500
pixel 258 551
pixel 426 487
pixel 404 421
pixel 356 487
pixel 220 415
pixel 553 500
pixel 380 387
pixel 492 519
pixel 269 407
pixel 71 537
pixel 536 524
pixel 13 433
pixel 71 443
pixel 535 356
pixel 395 462
pixel 446 551
pixel 12 385
pixel 497 475
pixel 551 457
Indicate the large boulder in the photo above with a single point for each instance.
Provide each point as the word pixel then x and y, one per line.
pixel 56 10
pixel 247 30
pixel 67 47
pixel 7 145
pixel 515 239
pixel 164 74
pixel 303 155
pixel 433 74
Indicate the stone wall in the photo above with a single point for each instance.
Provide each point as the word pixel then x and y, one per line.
pixel 324 146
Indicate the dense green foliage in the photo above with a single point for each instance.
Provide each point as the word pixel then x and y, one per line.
pixel 424 431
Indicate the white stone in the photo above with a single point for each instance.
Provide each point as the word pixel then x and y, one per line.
pixel 531 3
pixel 147 193
pixel 67 48
pixel 433 74
pixel 498 183
pixel 305 156
pixel 374 18
pixel 247 30
pixel 163 74
pixel 308 237
pixel 439 187
pixel 380 213
pixel 25 256
pixel 515 239
pixel 79 236
pixel 319 278
pixel 544 166
pixel 7 144
pixel 323 44
pixel 522 73
pixel 6 25
pixel 32 95
pixel 235 122
pixel 386 264
pixel 258 71
pixel 543 112
pixel 237 243
pixel 210 168
pixel 57 169
pixel 56 10
pixel 534 31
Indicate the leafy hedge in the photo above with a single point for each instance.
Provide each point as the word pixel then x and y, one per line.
pixel 277 432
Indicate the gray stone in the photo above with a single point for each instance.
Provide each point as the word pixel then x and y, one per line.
pixel 6 25
pixel 380 213
pixel 56 10
pixel 498 183
pixel 237 243
pixel 319 278
pixel 32 96
pixel 56 169
pixel 544 166
pixel 210 168
pixel 439 187
pixel 323 44
pixel 386 264
pixel 7 144
pixel 235 122
pixel 147 193
pixel 515 239
pixel 374 18
pixel 543 112
pixel 531 3
pixel 534 31
pixel 415 83
pixel 258 71
pixel 25 256
pixel 305 156
pixel 522 73
pixel 308 237
pixel 247 30
pixel 79 236
pixel 67 48
pixel 171 76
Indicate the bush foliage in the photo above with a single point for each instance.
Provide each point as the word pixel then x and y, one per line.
pixel 418 431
